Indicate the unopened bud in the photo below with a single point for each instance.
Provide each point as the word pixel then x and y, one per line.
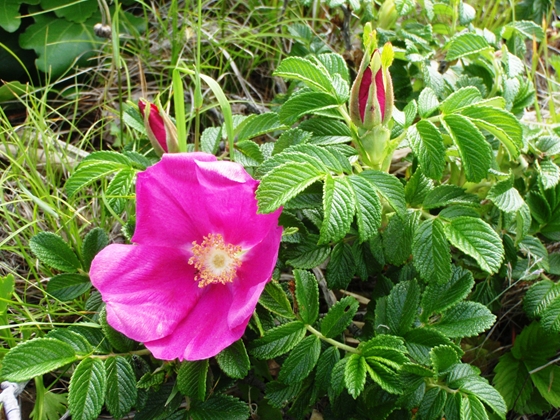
pixel 161 131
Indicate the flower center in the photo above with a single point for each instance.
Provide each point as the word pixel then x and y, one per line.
pixel 215 261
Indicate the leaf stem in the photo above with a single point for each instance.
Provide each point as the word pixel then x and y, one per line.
pixel 335 343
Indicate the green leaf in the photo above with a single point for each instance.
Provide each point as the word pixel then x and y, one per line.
pixel 355 374
pixel 119 189
pixel 472 408
pixel 439 297
pixel 427 102
pixel 285 182
pixel 466 44
pixel 367 206
pixel 402 306
pixel 526 28
pixel 417 188
pixel 341 266
pixel 279 394
pixel 337 379
pixel 431 253
pixel 549 173
pixel 420 341
pixel 460 99
pixel 308 254
pixel 35 357
pixel 548 383
pixel 476 238
pixel 334 64
pixel 9 15
pixel 289 138
pixel 539 296
pixel 445 195
pixel 306 103
pixel 487 394
pixel 500 123
pixel 87 389
pixel 443 358
pixel 121 386
pixel 118 340
pixel 550 319
pixel 475 152
pixel 234 361
pixel 95 241
pixel 431 406
pixel 313 75
pixel 210 139
pixel 250 152
pixel 427 144
pixel 54 252
pixel 74 12
pixel 511 380
pixel 505 196
pixel 385 377
pixel 328 359
pixel 191 379
pixel 258 124
pixel 339 316
pixel 80 345
pixel 338 199
pixel 330 157
pixel 94 335
pixel 548 145
pixel 307 296
pixel 466 319
pixel 67 287
pixel 326 131
pixel 535 344
pixel 220 407
pixel 278 340
pixel 301 360
pixel 389 187
pixel 398 237
pixel 274 299
pixel 87 174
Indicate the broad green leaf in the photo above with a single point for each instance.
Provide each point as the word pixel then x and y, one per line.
pixel 161 404
pixel 87 389
pixel 307 296
pixel 505 196
pixel 355 374
pixel 466 44
pixel 9 15
pixel 439 297
pixel 398 237
pixel 427 143
pixel 460 99
pixel 328 359
pixel 432 404
pixel 547 381
pixel 341 266
pixel 234 361
pixel 337 379
pixel 334 63
pixel 367 206
pixel 338 209
pixel 290 156
pixel 274 299
pixel 410 111
pixel 54 252
pixel 339 317
pixel 511 380
pixel 289 138
pixel 500 123
pixel 121 386
pixel 475 152
pixel 284 183
pixel 191 379
pixel 308 254
pixel 279 394
pixel 431 253
pixel 95 241
pixel 417 188
pixel 487 394
pixel 72 11
pixel 278 340
pixel 326 131
pixel 117 339
pixel 427 102
pixel 402 306
pixel 94 335
pixel 535 251
pixel 526 28
pixel 258 124
pixel 250 152
pixel 385 377
pixel 539 296
pixel 472 408
pixel 548 145
pixel 306 103
pixel 389 187
pixel 445 195
pixel 420 341
pixel 550 318
pixel 466 319
pixel 80 345
pixel 67 287
pixel 476 238
pixel 220 407
pixel 210 139
pixel 313 75
pixel 301 360
pixel 549 173
pixel 87 174
pixel 443 358
pixel 328 156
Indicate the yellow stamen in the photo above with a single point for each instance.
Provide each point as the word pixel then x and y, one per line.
pixel 215 261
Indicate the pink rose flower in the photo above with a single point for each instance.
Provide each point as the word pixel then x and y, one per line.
pixel 200 260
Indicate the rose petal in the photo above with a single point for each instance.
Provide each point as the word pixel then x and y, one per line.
pixel 148 290
pixel 364 92
pixel 380 92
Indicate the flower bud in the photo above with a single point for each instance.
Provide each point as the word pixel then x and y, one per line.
pixel 371 99
pixel 159 127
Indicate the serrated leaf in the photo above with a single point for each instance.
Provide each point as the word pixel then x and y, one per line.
pixel 334 64
pixel 527 28
pixel 548 145
pixel 472 408
pixel 443 358
pixel 550 318
pixel 80 345
pixel 431 406
pixel 341 266
pixel 549 173
pixel 328 359
pixel 285 182
pixel 402 306
pixel 539 296
pixel 121 386
pixel 220 407
pixel 548 383
pixel 67 287
pixel 314 76
pixel 94 335
pixel 87 389
pixel 234 361
pixel 504 195
pixel 367 206
pixel 427 102
pixel 301 360
pixel 274 299
pixel 54 252
pixel 445 195
pixel 337 379
pixel 389 187
pixel 439 297
pixel 278 340
pixel 289 138
pixel 338 209
pixel 427 143
pixel 308 254
pixel 487 394
pixel 475 152
pixel 326 131
pixel 306 103
pixel 385 377
pixel 466 44
pixel 330 157
pixel 191 379
pixel 87 174
pixel 307 296
pixel 339 317
pixel 431 253
pixel 466 319
pixel 279 394
pixel 117 339
pixel 510 380
pixel 258 124
pixel 118 190
pixel 398 237
pixel 420 341
pixel 417 188
pixel 355 374
pixel 460 99
pixel 210 139
pixel 95 241
pixel 476 238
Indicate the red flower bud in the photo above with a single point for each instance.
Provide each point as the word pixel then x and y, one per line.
pixel 161 131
